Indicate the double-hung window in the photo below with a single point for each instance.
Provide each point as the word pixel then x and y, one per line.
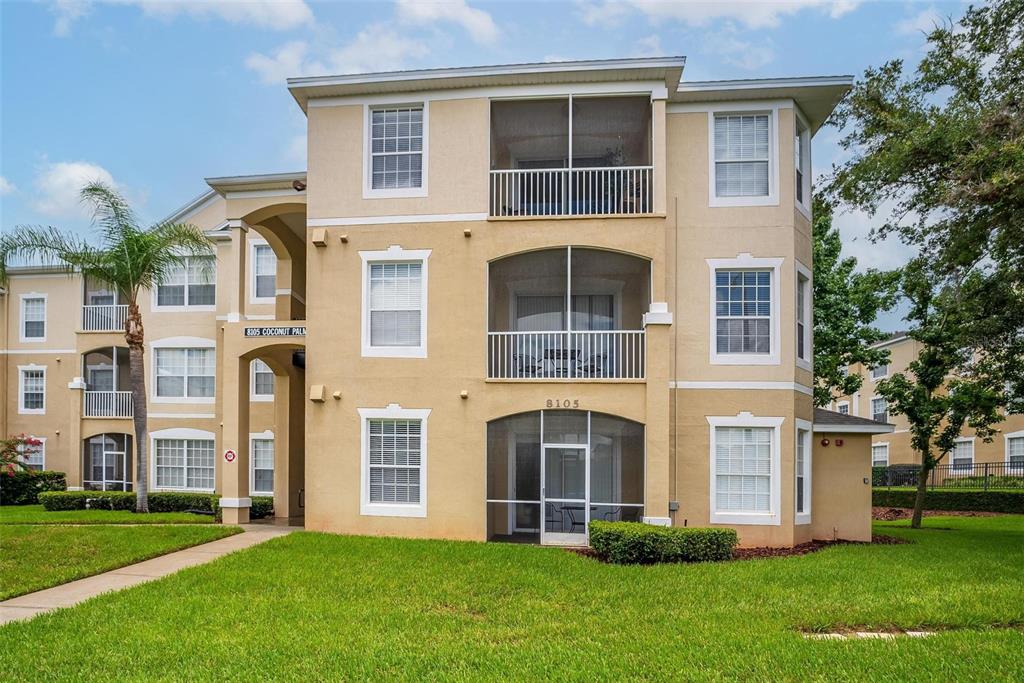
pixel 880 455
pixel 802 163
pixel 962 455
pixel 743 311
pixel 34 457
pixel 394 462
pixel 843 408
pixel 33 318
pixel 32 390
pixel 262 381
pixel 745 462
pixel 741 155
pixel 802 467
pixel 880 372
pixel 396 151
pixel 803 318
pixel 1015 452
pixel 190 284
pixel 395 303
pixel 184 464
pixel 185 373
pixel 262 453
pixel 879 410
pixel 264 273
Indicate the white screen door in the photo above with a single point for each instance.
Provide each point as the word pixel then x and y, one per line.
pixel 564 499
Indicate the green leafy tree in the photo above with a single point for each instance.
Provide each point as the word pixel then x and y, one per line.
pixel 938 155
pixel 131 259
pixel 846 304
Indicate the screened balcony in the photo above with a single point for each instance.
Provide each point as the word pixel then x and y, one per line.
pixel 594 162
pixel 101 310
pixel 107 383
pixel 567 313
pixel 107 463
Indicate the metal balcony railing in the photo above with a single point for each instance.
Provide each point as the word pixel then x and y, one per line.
pixel 620 190
pixel 604 354
pixel 104 318
pixel 107 404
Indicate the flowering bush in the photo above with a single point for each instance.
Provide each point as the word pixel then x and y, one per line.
pixel 12 453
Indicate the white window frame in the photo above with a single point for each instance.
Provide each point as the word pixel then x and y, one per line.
pixel 806 428
pixel 383 193
pixel 871 373
pixel 394 254
pixel 392 412
pixel 1006 451
pixel 963 440
pixel 744 419
pixel 267 435
pixel 803 207
pixel 843 403
pixel 875 445
pixel 253 396
pixel 181 343
pixel 180 433
pixel 772 110
pixel 804 281
pixel 254 243
pixel 21 326
pixel 871 406
pixel 22 410
pixel 42 452
pixel 745 262
pixel 157 308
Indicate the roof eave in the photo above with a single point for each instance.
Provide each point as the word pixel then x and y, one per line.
pixel 852 429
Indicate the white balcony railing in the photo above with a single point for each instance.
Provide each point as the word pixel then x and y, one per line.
pixel 612 354
pixel 107 404
pixel 104 318
pixel 621 190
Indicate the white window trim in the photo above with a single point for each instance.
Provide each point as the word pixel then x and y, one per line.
pixel 267 435
pixel 745 262
pixel 1006 450
pixel 21 324
pixel 180 343
pixel 843 403
pixel 180 433
pixel 42 448
pixel 805 516
pixel 22 410
pixel 393 253
pixel 253 396
pixel 157 308
pixel 880 443
pixel 253 299
pixel 959 440
pixel 368 191
pixel 871 373
pixel 807 363
pixel 772 517
pixel 393 411
pixel 772 110
pixel 805 148
pixel 871 406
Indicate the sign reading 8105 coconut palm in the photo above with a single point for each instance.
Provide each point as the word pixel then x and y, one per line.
pixel 277 331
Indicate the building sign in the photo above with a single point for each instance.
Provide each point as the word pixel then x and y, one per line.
pixel 275 331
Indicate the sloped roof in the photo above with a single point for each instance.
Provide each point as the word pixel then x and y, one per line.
pixel 831 421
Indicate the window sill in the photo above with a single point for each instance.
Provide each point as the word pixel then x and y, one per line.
pixel 183 309
pixel 179 489
pixel 394 352
pixel 805 210
pixel 803 519
pixel 405 192
pixel 31 411
pixel 804 364
pixel 746 518
pixel 262 398
pixel 743 359
pixel 379 510
pixel 182 400
pixel 733 202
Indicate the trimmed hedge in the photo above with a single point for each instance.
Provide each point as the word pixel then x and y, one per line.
pixel 24 486
pixel 638 543
pixel 966 501
pixel 159 501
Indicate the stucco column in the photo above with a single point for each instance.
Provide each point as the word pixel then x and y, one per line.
pixel 234 481
pixel 657 324
pixel 289 440
pixel 73 438
pixel 659 155
pixel 232 271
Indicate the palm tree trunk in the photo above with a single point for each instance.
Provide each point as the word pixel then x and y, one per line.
pixel 134 336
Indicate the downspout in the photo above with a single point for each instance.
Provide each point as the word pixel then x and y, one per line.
pixel 674 361
pixel 6 356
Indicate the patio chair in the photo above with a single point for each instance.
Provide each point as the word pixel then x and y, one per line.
pixel 592 365
pixel 526 365
pixel 573 522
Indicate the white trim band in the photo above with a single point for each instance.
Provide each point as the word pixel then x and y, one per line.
pixel 235 502
pixel 387 220
pixel 736 384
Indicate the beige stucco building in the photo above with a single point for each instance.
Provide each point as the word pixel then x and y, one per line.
pixel 500 303
pixel 1004 453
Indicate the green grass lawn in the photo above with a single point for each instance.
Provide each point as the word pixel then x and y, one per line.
pixel 322 607
pixel 33 557
pixel 35 514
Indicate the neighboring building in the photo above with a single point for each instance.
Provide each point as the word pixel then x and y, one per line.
pixel 1006 450
pixel 512 300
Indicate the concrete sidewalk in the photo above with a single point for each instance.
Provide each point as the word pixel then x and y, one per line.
pixel 68 594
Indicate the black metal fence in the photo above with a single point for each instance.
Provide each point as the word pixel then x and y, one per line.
pixel 982 476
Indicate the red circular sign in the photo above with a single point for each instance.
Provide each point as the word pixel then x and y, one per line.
pixel 229 455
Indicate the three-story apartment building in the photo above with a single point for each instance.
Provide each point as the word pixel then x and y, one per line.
pixel 507 301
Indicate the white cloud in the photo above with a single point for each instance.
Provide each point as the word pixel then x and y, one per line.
pixel 288 60
pixel 649 46
pixel 855 228
pixel 6 186
pixel 736 51
pixel 279 15
pixel 752 14
pixel 58 187
pixel 477 22
pixel 922 22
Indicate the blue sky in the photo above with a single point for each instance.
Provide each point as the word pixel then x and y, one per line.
pixel 155 95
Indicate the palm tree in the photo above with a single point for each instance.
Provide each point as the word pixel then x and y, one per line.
pixel 130 259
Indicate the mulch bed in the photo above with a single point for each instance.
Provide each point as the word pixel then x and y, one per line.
pixel 887 514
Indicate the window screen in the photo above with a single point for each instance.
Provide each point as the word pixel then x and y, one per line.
pixel 743 469
pixel 262 379
pixel 33 389
pixel 264 271
pixel 395 452
pixel 263 465
pixel 185 373
pixel 34 317
pixel 741 155
pixel 396 148
pixel 396 301
pixel 743 311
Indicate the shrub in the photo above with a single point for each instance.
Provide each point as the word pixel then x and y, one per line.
pixel 23 487
pixel 638 543
pixel 160 501
pixel 262 506
pixel 967 501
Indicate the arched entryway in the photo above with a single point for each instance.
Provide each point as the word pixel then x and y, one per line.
pixel 551 472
